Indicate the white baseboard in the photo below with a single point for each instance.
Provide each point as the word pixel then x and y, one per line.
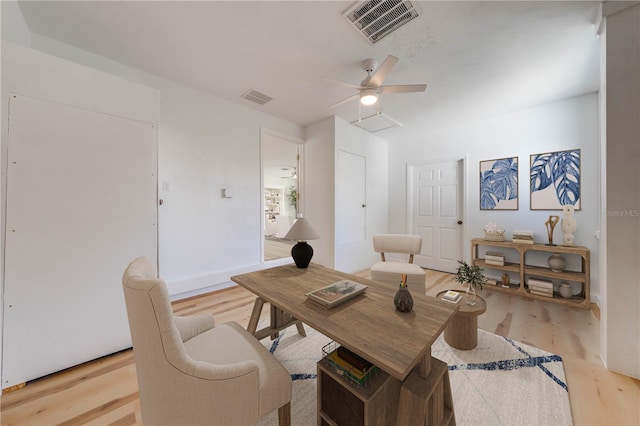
pixel 181 289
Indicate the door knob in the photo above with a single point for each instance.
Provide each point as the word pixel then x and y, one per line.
pixel 364 205
pixel 459 222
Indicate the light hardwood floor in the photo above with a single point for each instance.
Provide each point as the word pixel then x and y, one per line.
pixel 104 392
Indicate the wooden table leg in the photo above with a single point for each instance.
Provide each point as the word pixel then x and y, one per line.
pixel 255 316
pixel 426 400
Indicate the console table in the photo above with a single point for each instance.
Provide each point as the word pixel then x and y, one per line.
pixel 581 300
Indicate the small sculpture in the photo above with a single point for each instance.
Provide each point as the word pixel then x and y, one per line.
pixel 550 224
pixel 568 225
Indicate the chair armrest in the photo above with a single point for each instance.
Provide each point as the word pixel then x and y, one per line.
pixel 193 325
pixel 206 371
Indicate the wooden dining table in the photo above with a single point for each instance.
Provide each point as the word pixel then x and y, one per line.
pixel 369 325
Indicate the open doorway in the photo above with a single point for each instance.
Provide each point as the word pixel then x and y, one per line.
pixel 281 184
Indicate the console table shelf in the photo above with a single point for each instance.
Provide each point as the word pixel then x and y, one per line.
pixel 523 270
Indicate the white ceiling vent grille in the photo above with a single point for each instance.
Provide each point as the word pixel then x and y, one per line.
pixel 376 19
pixel 257 97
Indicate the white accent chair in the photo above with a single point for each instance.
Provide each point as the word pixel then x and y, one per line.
pixel 391 271
pixel 191 372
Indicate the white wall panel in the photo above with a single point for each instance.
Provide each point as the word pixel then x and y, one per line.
pixel 81 204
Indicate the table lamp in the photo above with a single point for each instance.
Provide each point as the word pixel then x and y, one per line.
pixel 302 252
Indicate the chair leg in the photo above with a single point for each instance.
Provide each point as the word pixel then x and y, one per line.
pixel 284 415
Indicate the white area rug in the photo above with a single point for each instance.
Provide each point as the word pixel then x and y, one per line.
pixel 501 382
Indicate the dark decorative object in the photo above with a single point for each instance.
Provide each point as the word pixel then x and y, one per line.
pixel 550 224
pixel 403 299
pixel 301 252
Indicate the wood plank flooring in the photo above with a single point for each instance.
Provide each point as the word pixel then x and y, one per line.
pixel 104 392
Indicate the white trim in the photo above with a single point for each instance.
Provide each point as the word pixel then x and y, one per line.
pixel 180 289
pixel 300 142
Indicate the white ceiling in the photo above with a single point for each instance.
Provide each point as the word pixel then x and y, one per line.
pixel 477 58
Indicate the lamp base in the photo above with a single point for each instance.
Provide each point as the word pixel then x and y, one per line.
pixel 302 254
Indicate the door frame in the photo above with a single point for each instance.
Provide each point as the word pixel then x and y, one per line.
pixel 465 204
pixel 264 132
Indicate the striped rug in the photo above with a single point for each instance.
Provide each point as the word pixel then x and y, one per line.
pixel 500 382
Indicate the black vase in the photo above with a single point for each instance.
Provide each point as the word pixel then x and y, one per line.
pixel 302 254
pixel 403 300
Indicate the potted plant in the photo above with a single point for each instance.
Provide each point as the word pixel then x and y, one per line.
pixel 473 275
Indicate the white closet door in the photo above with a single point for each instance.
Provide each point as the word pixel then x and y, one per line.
pixel 81 204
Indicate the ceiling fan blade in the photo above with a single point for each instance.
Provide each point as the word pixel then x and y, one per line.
pixel 344 101
pixel 383 70
pixel 403 88
pixel 343 83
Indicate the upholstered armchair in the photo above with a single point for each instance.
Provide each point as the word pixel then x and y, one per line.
pixel 391 271
pixel 192 372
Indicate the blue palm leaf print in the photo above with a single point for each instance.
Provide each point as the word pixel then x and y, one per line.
pixel 499 183
pixel 562 169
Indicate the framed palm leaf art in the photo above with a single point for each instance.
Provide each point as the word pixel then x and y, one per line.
pixel 555 180
pixel 499 184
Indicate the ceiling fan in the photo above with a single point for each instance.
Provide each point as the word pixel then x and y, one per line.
pixel 293 175
pixel 371 87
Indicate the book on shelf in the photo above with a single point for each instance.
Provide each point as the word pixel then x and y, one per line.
pixel 522 237
pixel 336 293
pixel 543 287
pixel 497 258
pixel 354 359
pixel 451 296
pixel 519 241
pixel 541 293
pixel 494 262
pixel 346 368
pixel 491 281
pixel 540 283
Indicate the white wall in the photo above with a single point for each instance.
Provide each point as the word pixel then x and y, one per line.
pixel 318 200
pixel 204 143
pixel 323 141
pixel 37 75
pixel 620 325
pixel 557 126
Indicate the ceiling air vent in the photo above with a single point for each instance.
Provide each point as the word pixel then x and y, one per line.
pixel 376 19
pixel 255 96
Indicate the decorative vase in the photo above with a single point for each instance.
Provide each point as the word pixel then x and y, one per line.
pixel 470 296
pixel 557 262
pixel 403 299
pixel 565 290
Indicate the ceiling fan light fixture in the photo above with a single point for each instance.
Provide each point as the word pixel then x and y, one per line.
pixel 368 96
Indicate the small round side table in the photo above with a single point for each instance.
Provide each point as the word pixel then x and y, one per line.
pixel 462 330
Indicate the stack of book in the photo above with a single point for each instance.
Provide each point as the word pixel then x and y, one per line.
pixel 540 287
pixel 494 258
pixel 353 366
pixel 451 296
pixel 522 237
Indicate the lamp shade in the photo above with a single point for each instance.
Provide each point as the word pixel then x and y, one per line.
pixel 302 252
pixel 301 231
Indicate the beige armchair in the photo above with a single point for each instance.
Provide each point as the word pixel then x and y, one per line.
pixel 191 372
pixel 391 271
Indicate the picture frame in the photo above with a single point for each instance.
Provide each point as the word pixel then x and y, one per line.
pixel 499 184
pixel 555 180
pixel 336 293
